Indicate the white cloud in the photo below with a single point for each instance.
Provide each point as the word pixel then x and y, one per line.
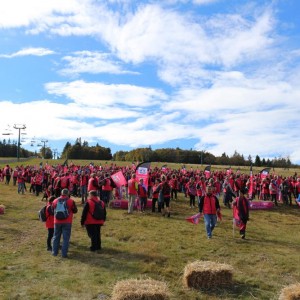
pixel 99 94
pixel 201 2
pixel 17 13
pixel 91 62
pixel 29 51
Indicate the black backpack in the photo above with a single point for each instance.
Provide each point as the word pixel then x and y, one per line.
pixel 99 212
pixel 42 214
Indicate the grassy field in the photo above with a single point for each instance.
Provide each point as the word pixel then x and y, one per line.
pixel 145 246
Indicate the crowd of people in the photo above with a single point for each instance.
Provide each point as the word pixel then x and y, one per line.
pixel 79 180
pixel 93 183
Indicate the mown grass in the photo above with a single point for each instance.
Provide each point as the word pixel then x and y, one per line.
pixel 145 245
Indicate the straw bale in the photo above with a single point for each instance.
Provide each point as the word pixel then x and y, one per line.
pixel 207 274
pixel 140 289
pixel 290 292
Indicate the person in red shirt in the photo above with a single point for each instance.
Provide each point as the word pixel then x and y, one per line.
pixel 21 183
pixel 297 188
pixel 191 191
pixel 174 186
pixel 165 190
pixel 63 227
pixel 209 205
pixel 132 192
pixel 142 193
pixel 92 225
pixel 49 222
pixel 84 179
pixel 93 183
pixel 241 204
pixel 155 193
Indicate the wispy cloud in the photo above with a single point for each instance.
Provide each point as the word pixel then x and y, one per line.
pixel 29 51
pixel 92 62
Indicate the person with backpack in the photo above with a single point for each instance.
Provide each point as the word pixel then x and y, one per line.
pixel 93 217
pixel 7 173
pixel 63 209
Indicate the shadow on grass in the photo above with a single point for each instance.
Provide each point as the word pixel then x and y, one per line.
pixel 113 259
pixel 10 231
pixel 237 290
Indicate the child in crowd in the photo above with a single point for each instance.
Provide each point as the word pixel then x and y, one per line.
pixel 50 222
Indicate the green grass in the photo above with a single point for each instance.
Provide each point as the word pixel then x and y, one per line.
pixel 145 245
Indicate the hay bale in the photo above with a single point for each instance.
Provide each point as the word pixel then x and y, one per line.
pixel 140 289
pixel 290 292
pixel 207 274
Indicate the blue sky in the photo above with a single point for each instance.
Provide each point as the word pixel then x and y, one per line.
pixel 213 75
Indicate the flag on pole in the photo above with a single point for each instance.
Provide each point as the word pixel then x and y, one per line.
pixel 264 173
pixel 142 171
pixel 118 178
pixel 164 168
pixel 194 219
pixel 236 218
pixel 251 185
pixel 228 171
pixel 207 171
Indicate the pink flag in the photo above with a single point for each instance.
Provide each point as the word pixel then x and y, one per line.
pixel 194 219
pixel 118 178
pixel 236 218
pixel 264 173
pixel 142 171
pixel 251 186
pixel 207 172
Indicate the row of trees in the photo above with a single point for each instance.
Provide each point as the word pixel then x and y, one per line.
pixel 10 149
pixel 82 150
pixel 198 157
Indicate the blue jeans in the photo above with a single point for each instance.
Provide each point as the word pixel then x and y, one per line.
pixel 83 190
pixel 21 187
pixel 64 230
pixel 210 223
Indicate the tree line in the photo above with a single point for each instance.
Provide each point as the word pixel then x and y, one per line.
pixel 10 149
pixel 170 155
pixel 82 150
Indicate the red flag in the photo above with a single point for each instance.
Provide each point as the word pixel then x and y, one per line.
pixel 194 219
pixel 119 179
